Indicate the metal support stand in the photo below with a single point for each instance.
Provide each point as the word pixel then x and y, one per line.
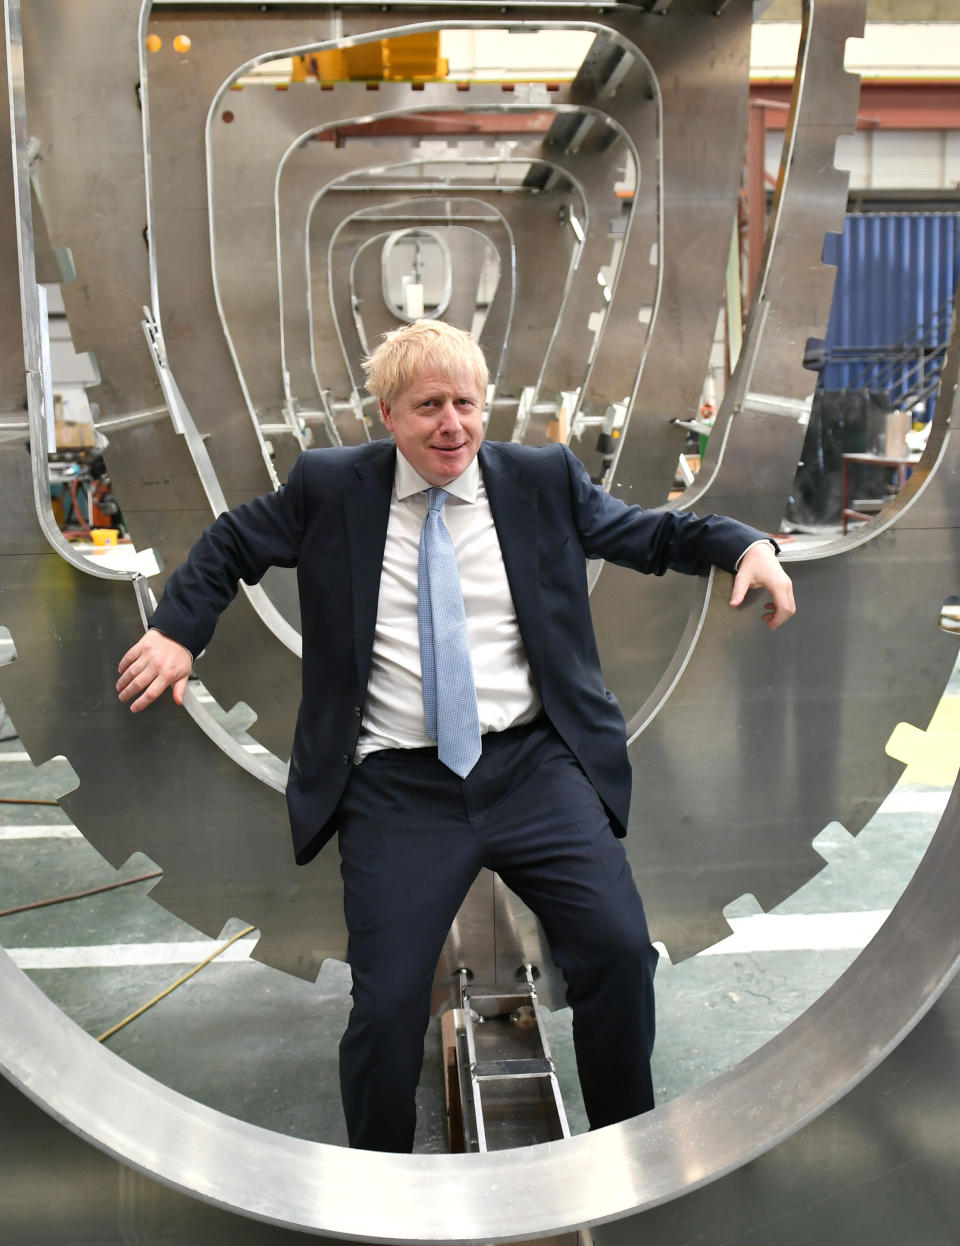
pixel 502 1088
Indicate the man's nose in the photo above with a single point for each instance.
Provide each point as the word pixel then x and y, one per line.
pixel 449 416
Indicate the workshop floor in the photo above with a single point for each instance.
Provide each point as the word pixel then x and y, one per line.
pixel 239 1035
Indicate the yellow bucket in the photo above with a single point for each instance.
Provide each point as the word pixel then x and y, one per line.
pixel 104 536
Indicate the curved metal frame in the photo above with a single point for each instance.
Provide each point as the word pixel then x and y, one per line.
pixel 478 224
pixel 479 190
pixel 636 55
pixel 452 192
pixel 386 240
pixel 392 241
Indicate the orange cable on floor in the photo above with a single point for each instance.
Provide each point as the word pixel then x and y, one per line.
pixel 173 986
pixel 81 895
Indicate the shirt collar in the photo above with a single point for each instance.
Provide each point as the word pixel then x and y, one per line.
pixel 408 481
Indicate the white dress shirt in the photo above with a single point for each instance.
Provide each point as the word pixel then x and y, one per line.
pixel 506 696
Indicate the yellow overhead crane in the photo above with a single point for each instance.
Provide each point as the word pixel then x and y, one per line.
pixel 406 58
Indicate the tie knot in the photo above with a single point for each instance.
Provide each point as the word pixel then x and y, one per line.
pixel 436 498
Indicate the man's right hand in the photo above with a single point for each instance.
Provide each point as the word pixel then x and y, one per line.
pixel 153 664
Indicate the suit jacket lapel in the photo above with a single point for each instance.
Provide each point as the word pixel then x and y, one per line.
pixel 514 507
pixel 366 501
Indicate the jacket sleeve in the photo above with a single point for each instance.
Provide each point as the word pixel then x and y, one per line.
pixel 241 544
pixel 652 541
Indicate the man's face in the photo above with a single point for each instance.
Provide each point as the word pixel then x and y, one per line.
pixel 437 425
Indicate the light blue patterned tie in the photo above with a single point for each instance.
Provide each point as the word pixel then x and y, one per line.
pixel 449 693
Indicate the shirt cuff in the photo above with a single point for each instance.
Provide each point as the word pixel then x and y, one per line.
pixel 767 540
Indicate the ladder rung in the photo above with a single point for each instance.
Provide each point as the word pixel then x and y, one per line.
pixel 512 1068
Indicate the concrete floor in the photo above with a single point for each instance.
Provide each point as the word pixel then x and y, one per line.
pixel 238 1035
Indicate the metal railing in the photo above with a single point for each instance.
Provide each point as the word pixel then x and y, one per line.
pixel 909 370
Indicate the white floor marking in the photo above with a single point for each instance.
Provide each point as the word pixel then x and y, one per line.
pixel 58 830
pixel 126 955
pixel 915 802
pixel 798 932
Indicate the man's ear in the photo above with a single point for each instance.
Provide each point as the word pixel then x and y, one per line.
pixel 385 416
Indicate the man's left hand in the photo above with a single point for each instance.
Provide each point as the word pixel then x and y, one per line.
pixel 759 569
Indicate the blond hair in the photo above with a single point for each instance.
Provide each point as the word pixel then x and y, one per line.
pixel 406 353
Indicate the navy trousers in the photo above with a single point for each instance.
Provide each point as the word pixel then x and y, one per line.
pixel 413 838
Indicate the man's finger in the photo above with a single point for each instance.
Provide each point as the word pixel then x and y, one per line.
pixel 126 687
pixel 129 658
pixel 151 693
pixel 136 684
pixel 781 608
pixel 140 673
pixel 130 673
pixel 740 586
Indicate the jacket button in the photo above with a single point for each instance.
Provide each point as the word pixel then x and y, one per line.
pixel 358 710
pixel 345 759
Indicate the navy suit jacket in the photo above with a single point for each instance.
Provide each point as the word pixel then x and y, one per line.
pixel 330 521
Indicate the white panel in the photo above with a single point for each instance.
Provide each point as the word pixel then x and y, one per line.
pixel 889 159
pixel 951 158
pixel 853 154
pixel 628 179
pixel 907 159
pixel 498 54
pixel 55 301
pixel 773 49
pixel 272 71
pixel 887 50
pixel 76 406
pixel 69 368
pixel 906 50
pixel 773 147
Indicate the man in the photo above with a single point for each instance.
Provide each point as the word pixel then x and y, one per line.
pixel 454 714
